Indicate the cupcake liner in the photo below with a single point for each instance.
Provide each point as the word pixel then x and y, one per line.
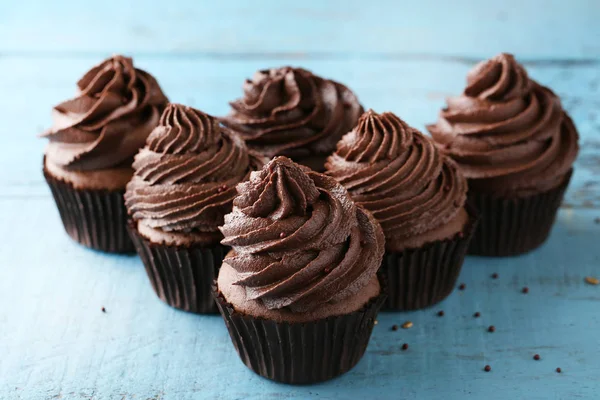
pixel 181 276
pixel 93 218
pixel 517 225
pixel 421 277
pixel 300 353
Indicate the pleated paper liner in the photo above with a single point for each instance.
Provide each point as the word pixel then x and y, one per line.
pixel 513 226
pixel 93 218
pixel 419 278
pixel 300 353
pixel 181 276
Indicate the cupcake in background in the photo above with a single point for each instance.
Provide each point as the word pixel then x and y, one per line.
pixel 92 143
pixel 184 184
pixel 516 145
pixel 291 112
pixel 418 196
pixel 299 292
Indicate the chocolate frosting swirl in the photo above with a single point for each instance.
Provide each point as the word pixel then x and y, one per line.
pixel 185 177
pixel 105 125
pixel 508 133
pixel 289 111
pixel 395 172
pixel 298 239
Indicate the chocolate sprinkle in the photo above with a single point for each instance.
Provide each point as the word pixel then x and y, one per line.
pixel 462 286
pixel 405 346
pixel 558 370
pixel 394 327
pixel 491 328
pixel 103 309
pixel 536 357
pixel 477 314
pixel 525 290
pixel 494 276
pixel 487 368
pixel 440 313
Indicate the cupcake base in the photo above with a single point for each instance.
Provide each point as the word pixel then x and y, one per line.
pixel 419 278
pixel 181 276
pixel 300 353
pixel 513 226
pixel 93 218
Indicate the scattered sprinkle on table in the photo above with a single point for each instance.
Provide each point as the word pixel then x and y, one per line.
pixel 477 314
pixel 536 357
pixel 462 286
pixel 558 370
pixel 494 276
pixel 491 328
pixel 394 327
pixel 405 346
pixel 525 290
pixel 591 280
pixel 407 325
pixel 103 309
pixel 487 368
pixel 375 322
pixel 440 313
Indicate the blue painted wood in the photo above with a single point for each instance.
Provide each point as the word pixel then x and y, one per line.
pixel 405 57
pixel 335 28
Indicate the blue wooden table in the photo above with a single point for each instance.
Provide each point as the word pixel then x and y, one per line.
pixel 56 343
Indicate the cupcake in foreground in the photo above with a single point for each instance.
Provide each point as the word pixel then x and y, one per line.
pixel 516 145
pixel 417 195
pixel 92 143
pixel 291 112
pixel 299 292
pixel 184 184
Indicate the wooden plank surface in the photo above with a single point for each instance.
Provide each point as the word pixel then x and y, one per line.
pixel 401 56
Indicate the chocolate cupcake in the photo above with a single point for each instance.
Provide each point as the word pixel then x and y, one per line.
pixel 184 184
pixel 291 112
pixel 516 145
pixel 92 143
pixel 417 195
pixel 299 292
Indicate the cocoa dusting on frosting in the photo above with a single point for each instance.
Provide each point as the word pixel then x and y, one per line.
pixel 289 111
pixel 395 172
pixel 299 241
pixel 185 177
pixel 508 133
pixel 115 110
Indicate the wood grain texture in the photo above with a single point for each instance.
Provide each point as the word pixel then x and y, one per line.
pixel 406 57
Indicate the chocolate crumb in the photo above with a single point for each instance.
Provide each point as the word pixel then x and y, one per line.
pixel 494 276
pixel 462 286
pixel 477 314
pixel 491 329
pixel 405 346
pixel 394 327
pixel 440 313
pixel 525 290
pixel 591 280
pixel 536 357
pixel 558 370
pixel 487 368
pixel 407 325
pixel 103 309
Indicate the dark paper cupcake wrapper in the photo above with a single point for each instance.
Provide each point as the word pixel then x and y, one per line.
pixel 513 226
pixel 93 218
pixel 181 276
pixel 420 278
pixel 300 353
